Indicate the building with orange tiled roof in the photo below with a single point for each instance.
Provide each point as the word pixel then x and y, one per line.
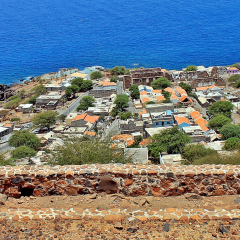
pixel 91 134
pixel 144 111
pixel 168 89
pixel 130 142
pixel 91 119
pixel 84 120
pixel 145 142
pixel 186 100
pixel 174 99
pixel 161 98
pixel 233 70
pixel 146 99
pixel 157 91
pixel 124 137
pixel 8 125
pixel 201 88
pixel 81 116
pixel 195 113
pixel 204 128
pixel 201 122
pixel 180 120
pixel 107 83
pixel 143 93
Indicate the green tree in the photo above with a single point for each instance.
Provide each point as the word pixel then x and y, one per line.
pixel 217 122
pixel 161 83
pixel 85 103
pixel 221 107
pixel 229 131
pixel 24 138
pixel 125 115
pixel 232 143
pixel 134 91
pixel 136 142
pixel 114 79
pixel 121 102
pixel 96 75
pixel 68 92
pixel 234 78
pixel 191 68
pixel 171 140
pixel 77 151
pixel 195 151
pixel 118 70
pixel 78 82
pixel 22 152
pixel 61 117
pixel 186 87
pixel 87 85
pixel 114 112
pixel 75 89
pixel 45 119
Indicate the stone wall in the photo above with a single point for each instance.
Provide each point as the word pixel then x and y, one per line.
pixel 130 180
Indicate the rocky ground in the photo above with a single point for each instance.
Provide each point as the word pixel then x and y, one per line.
pixel 94 230
pixel 88 228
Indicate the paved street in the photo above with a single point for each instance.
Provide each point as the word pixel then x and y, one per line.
pixel 72 107
pixel 120 88
pixel 4 146
pixel 131 107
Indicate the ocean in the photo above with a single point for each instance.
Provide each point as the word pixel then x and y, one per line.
pixel 37 37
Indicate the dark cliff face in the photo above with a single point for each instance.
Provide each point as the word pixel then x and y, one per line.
pixel 3 87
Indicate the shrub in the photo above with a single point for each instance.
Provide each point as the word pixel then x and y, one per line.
pixel 13 103
pixel 229 131
pixel 22 152
pixel 232 143
pixel 195 151
pixel 191 68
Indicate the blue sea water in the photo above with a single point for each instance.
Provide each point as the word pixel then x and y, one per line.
pixel 42 36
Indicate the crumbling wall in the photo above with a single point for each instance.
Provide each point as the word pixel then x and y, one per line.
pixel 130 180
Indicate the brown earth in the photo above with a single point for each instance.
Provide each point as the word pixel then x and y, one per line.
pixel 105 201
